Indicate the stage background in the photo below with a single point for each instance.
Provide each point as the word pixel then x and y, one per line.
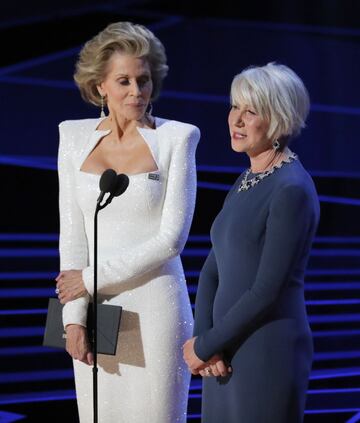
pixel 206 46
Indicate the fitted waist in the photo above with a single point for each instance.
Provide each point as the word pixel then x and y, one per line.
pixel 289 304
pixel 170 273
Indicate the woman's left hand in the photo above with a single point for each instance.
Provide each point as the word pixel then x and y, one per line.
pixel 216 367
pixel 70 285
pixel 192 360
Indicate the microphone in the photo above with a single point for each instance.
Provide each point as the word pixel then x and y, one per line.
pixel 107 183
pixel 119 187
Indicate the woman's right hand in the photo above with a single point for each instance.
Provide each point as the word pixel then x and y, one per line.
pixel 77 344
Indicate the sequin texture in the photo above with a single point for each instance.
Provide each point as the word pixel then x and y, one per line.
pixel 141 235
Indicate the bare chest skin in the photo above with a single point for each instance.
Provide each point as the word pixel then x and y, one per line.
pixel 131 156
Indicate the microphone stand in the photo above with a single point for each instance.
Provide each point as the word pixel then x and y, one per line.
pixel 94 308
pixel 94 334
pixel 122 182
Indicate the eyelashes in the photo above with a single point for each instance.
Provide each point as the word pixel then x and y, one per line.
pixel 249 111
pixel 141 82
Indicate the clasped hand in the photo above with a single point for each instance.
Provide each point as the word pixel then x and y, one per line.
pixel 213 367
pixel 70 285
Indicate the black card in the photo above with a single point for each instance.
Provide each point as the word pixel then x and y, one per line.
pixel 108 323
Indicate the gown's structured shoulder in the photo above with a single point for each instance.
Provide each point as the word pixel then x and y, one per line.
pixel 179 132
pixel 74 134
pixel 79 124
pixel 75 127
pixel 140 237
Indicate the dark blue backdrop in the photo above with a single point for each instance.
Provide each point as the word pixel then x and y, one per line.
pixel 204 54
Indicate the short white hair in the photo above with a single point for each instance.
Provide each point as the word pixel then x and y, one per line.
pixel 277 94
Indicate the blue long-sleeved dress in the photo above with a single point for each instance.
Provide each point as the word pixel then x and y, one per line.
pixel 250 301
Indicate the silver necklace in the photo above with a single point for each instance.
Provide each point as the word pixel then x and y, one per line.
pixel 246 183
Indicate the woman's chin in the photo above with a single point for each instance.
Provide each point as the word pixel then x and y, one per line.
pixel 130 115
pixel 237 147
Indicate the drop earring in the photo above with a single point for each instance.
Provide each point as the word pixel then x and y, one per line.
pixel 102 112
pixel 276 145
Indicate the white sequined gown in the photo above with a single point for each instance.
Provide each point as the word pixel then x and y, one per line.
pixel 141 235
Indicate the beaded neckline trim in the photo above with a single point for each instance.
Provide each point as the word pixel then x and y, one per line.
pixel 246 183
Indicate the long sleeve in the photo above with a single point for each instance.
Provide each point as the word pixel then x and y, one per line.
pixel 73 243
pixel 290 224
pixel 208 283
pixel 207 286
pixel 177 213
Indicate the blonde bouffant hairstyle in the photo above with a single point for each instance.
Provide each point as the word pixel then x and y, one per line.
pixel 278 95
pixel 122 37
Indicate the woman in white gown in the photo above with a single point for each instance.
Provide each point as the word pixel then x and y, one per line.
pixel 141 234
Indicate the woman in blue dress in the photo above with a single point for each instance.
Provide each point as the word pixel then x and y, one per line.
pixel 252 341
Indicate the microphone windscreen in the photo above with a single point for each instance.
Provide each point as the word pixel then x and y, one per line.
pixel 108 180
pixel 122 182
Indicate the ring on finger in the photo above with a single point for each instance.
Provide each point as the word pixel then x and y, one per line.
pixel 57 291
pixel 208 371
